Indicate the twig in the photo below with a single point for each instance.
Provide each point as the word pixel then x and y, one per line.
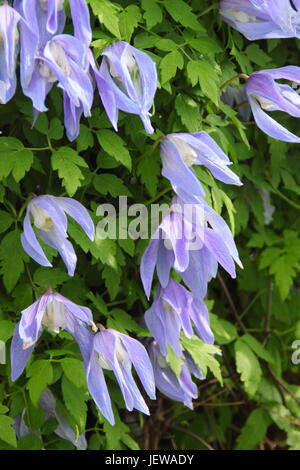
pixel 231 303
pixel 192 434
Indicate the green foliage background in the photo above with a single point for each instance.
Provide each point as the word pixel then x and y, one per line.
pixel 255 318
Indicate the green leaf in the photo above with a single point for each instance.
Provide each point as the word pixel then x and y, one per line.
pixel 149 170
pixel 41 374
pixel 74 400
pixel 114 146
pixel 225 332
pixel 257 347
pixel 56 129
pixel 14 158
pixel 169 65
pixel 107 183
pixel 174 362
pixel 254 430
pixel 67 162
pixel 248 366
pixel 202 354
pixel 153 14
pixel 257 55
pixel 207 75
pixel 182 13
pixel 45 277
pixel 5 221
pixel 73 368
pixel 112 281
pixel 189 112
pixel 108 14
pixel 6 330
pixel 129 20
pixel 7 432
pixel 12 257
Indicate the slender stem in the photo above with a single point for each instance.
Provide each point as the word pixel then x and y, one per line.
pixel 192 434
pixel 231 303
pixel 239 75
pixel 159 195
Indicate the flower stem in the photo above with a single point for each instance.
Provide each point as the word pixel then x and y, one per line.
pixel 239 75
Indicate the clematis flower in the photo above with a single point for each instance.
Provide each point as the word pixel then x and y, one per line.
pixel 63 59
pixel 56 313
pixel 236 97
pixel 175 309
pixel 179 152
pixel 49 218
pixel 127 80
pixel 181 388
pixel 193 242
pixel 262 19
pixel 265 94
pixel 48 404
pixel 115 351
pixel 9 48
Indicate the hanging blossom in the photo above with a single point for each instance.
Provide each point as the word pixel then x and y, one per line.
pixel 265 94
pixel 48 404
pixel 236 97
pixel 192 239
pixel 263 19
pixel 49 218
pixel 56 313
pixel 181 388
pixel 47 56
pixel 175 309
pixel 127 81
pixel 9 49
pixel 115 351
pixel 179 152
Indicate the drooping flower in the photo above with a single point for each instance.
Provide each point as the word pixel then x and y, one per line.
pixel 236 97
pixel 81 21
pixel 263 19
pixel 180 388
pixel 115 351
pixel 192 239
pixel 265 94
pixel 50 220
pixel 56 313
pixel 48 404
pixel 63 59
pixel 127 81
pixel 175 309
pixel 9 48
pixel 179 152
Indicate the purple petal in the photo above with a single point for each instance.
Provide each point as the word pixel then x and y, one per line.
pixel 79 213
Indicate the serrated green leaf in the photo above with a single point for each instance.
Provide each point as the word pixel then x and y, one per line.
pixel 41 374
pixel 68 163
pixel 114 146
pixel 248 366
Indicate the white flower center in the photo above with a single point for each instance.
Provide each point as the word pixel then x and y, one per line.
pixel 128 62
pixel 54 317
pixel 264 102
pixel 187 153
pixel 41 219
pixel 242 16
pixel 121 353
pixel 46 72
pixel 44 4
pixel 59 56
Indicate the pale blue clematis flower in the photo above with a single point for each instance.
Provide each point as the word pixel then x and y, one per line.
pixel 127 80
pixel 9 49
pixel 175 309
pixel 236 97
pixel 181 388
pixel 192 239
pixel 56 313
pixel 179 152
pixel 116 351
pixel 265 94
pixel 48 404
pixel 49 218
pixel 263 19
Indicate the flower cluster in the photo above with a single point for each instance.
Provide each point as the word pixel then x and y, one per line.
pixel 258 20
pixel 192 239
pixel 126 79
